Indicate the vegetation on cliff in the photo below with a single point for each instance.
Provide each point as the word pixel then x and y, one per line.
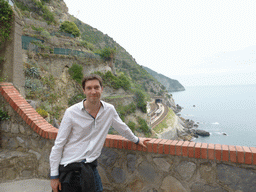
pixel 56 63
pixel 70 27
pixel 6 18
pixel 39 9
pixel 76 72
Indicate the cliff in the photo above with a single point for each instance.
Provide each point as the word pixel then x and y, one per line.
pixel 48 58
pixel 171 85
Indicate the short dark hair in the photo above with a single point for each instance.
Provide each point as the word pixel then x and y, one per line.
pixel 91 77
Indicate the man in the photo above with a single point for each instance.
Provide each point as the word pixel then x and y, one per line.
pixel 80 139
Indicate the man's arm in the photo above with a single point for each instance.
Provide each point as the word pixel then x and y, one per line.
pixel 56 153
pixel 125 131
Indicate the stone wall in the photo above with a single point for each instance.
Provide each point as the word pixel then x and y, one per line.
pixel 165 165
pixel 173 166
pixel 56 64
pixel 25 148
pixel 12 68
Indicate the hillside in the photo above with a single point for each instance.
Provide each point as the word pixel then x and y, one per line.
pixel 171 85
pixel 58 49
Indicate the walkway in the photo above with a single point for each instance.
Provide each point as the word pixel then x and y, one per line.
pixel 29 185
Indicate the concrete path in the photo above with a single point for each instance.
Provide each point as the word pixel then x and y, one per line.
pixel 29 185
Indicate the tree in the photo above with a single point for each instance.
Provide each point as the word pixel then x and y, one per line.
pixel 70 27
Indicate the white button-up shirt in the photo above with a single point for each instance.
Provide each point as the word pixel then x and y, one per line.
pixel 82 137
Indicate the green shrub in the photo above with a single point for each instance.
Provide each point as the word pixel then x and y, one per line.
pixel 126 110
pixel 37 28
pixel 124 82
pixel 4 115
pixel 57 111
pixel 32 72
pixel 163 87
pixel 40 44
pixel 152 90
pixel 76 72
pixel 2 78
pixel 70 27
pixel 144 127
pixel 6 18
pixel 107 53
pixel 42 112
pixel 140 100
pixel 160 93
pixel 116 82
pixel 33 84
pixel 43 10
pixel 45 34
pixel 75 99
pixel 87 45
pixel 1 60
pixel 37 7
pixel 131 125
pixel 22 6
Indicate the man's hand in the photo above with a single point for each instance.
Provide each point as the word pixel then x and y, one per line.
pixel 56 185
pixel 143 142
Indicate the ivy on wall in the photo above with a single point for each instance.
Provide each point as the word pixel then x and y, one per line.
pixel 6 18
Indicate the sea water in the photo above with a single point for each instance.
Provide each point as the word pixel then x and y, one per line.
pixel 227 112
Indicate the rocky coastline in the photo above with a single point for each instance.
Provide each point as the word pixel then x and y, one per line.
pixel 190 128
pixel 183 129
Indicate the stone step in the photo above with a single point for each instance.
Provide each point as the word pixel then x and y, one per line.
pixel 16 165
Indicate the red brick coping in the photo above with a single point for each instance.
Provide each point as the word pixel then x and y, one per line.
pixel 228 153
pixel 27 112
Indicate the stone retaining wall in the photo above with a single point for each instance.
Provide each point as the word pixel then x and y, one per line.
pixel 25 144
pixel 166 165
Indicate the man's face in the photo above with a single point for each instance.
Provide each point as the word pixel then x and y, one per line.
pixel 93 90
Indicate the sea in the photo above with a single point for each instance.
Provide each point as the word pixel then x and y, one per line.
pixel 228 112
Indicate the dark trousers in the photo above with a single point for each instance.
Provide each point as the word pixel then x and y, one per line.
pixel 74 186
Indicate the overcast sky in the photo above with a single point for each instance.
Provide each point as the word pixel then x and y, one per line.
pixel 196 42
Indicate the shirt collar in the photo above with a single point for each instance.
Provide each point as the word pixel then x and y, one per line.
pixel 81 104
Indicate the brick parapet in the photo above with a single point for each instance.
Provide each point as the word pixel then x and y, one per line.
pixel 27 112
pixel 217 152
